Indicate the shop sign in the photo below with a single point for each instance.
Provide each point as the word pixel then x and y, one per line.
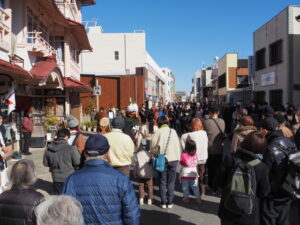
pixel 268 79
pixel 251 66
pixel 97 90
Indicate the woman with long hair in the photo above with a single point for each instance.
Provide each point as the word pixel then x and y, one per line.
pixel 147 131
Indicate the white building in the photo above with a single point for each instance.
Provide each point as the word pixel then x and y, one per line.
pixel 277 56
pixel 170 85
pixel 119 54
pixel 206 75
pixel 196 90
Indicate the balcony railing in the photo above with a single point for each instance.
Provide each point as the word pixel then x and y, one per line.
pixel 37 43
pixel 69 10
pixel 5 27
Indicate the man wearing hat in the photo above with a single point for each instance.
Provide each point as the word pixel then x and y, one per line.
pixel 107 195
pixel 61 158
pixel 121 146
pixel 276 206
pixel 76 138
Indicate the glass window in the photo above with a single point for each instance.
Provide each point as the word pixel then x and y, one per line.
pixel 116 55
pixel 260 59
pixel 2 3
pixel 57 42
pixel 275 53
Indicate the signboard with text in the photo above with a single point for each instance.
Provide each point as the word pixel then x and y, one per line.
pixel 268 79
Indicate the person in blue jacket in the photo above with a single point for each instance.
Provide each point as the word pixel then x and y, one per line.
pixel 107 195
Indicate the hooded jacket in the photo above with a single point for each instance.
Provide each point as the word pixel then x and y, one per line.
pixel 62 159
pixel 239 135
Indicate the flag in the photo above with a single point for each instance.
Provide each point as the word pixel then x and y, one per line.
pixel 11 100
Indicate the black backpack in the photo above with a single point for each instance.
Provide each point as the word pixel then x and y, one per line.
pixel 240 192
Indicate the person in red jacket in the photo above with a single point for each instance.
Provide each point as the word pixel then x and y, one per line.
pixel 27 128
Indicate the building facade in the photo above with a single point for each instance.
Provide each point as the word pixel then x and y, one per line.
pixel 277 67
pixel 122 56
pixel 197 86
pixel 170 89
pixel 43 43
pixel 206 78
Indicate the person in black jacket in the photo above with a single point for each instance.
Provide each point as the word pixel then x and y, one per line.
pixel 17 205
pixel 276 206
pixel 253 145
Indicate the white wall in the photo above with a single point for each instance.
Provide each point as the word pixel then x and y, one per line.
pixel 131 48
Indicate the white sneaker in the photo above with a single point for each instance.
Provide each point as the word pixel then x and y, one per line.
pixel 141 201
pixel 170 206
pixel 149 202
pixel 164 206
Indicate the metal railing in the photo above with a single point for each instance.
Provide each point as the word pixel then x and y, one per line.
pixel 39 44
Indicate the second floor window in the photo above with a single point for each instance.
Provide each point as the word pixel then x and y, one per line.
pixel 222 80
pixel 260 59
pixel 57 42
pixel 2 3
pixel 275 52
pixel 33 25
pixel 116 55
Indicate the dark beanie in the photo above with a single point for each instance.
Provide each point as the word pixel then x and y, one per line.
pixel 118 122
pixel 62 133
pixel 96 145
pixel 268 111
pixel 270 124
pixel 280 118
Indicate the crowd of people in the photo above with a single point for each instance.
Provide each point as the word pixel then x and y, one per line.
pixel 257 180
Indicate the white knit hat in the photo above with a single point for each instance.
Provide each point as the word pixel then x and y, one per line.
pixel 133 108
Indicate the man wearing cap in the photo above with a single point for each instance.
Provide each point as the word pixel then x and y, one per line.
pixel 276 206
pixel 121 147
pixel 107 195
pixel 76 138
pixel 61 158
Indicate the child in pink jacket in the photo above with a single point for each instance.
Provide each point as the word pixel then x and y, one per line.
pixel 188 173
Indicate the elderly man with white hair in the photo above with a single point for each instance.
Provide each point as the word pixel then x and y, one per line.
pixel 59 209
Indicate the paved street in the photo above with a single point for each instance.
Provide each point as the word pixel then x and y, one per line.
pixel 181 214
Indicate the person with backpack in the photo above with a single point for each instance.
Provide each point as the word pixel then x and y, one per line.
pixel 188 172
pixel 76 138
pixel 241 195
pixel 215 129
pixel 143 171
pixel 61 158
pixel 276 206
pixel 165 143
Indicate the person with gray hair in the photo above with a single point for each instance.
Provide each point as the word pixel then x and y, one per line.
pixel 59 209
pixel 17 204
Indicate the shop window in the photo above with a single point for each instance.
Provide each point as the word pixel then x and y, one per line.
pixel 57 42
pixel 116 55
pixel 222 80
pixel 260 97
pixel 275 50
pixel 260 59
pixel 242 81
pixel 276 97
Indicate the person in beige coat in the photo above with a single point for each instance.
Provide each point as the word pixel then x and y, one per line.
pixel 247 126
pixel 166 141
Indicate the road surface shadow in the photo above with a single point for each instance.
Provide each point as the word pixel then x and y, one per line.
pixel 161 218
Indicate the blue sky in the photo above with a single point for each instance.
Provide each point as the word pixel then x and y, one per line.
pixel 186 34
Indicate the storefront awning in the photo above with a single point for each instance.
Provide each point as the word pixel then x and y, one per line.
pixel 80 35
pixel 44 70
pixel 53 11
pixel 15 71
pixel 70 82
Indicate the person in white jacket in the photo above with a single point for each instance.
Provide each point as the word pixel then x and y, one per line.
pixel 165 141
pixel 198 135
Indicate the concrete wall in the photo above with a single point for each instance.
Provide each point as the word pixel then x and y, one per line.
pixel 131 48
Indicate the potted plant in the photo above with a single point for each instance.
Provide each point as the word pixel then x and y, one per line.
pixel 94 125
pixel 84 125
pixel 89 126
pixel 51 123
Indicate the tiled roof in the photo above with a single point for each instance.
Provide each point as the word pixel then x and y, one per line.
pixel 80 35
pixel 43 69
pixel 70 82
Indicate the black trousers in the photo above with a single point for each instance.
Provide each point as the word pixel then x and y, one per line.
pixel 275 212
pixel 26 142
pixel 57 187
pixel 213 165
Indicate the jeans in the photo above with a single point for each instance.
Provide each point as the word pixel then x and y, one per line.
pixel 26 142
pixel 167 183
pixel 186 184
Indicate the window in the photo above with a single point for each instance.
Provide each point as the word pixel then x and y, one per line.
pixel 2 3
pixel 260 97
pixel 57 42
pixel 260 61
pixel 116 55
pixel 33 25
pixel 222 80
pixel 74 54
pixel 275 53
pixel 276 98
pixel 242 81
